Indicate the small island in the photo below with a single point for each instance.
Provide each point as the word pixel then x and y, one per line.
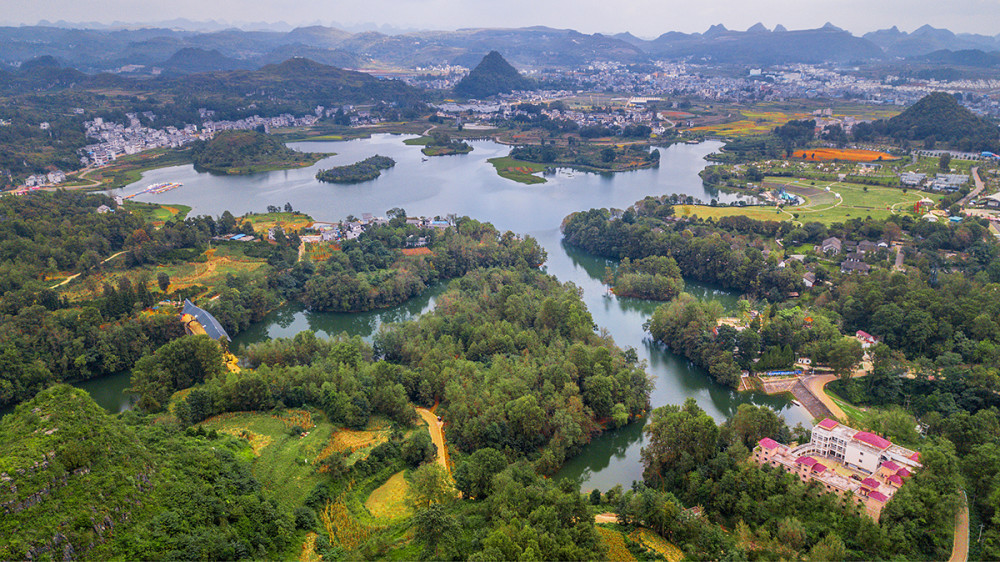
pixel 247 152
pixel 440 144
pixel 367 169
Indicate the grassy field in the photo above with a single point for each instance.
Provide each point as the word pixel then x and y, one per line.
pixel 517 170
pixel 755 212
pixel 219 262
pixel 390 500
pixel 854 201
pixel 851 410
pixel 156 213
pixel 283 461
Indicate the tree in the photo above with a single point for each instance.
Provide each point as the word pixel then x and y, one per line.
pixel 608 154
pixel 843 355
pixel 163 281
pixel 419 449
pixel 288 207
pixel 944 162
pixel 753 423
pixel 430 484
pixel 474 476
pixel 680 438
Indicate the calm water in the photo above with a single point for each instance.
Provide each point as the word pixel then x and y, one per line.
pixel 467 185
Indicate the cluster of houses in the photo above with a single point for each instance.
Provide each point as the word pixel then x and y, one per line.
pixel 842 460
pixel 42 180
pixel 352 229
pixel 854 252
pixel 116 139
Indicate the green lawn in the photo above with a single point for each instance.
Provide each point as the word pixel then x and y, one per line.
pixel 518 170
pixel 852 411
pixel 153 212
pixel 854 201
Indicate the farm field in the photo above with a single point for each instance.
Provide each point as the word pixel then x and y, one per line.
pixel 283 462
pixel 761 213
pixel 755 123
pixel 657 544
pixel 289 222
pixel 391 500
pixel 615 543
pixel 517 170
pixel 849 154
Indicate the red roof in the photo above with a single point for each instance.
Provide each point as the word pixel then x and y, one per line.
pixel 870 482
pixel 895 479
pixel 903 472
pixel 873 440
pixel 768 443
pixel 828 424
pixel 879 496
pixel 864 335
pixel 818 467
pixel 806 460
pixel 915 456
pixel 890 465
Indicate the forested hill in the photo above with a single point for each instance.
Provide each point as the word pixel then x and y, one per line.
pixel 80 484
pixel 939 116
pixel 297 80
pixel 245 152
pixel 493 75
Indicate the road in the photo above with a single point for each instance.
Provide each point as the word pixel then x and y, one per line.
pixel 606 518
pixel 437 436
pixel 960 548
pixel 975 192
pixel 74 276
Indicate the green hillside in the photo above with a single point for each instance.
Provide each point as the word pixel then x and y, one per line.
pixel 941 117
pixel 246 152
pixel 492 76
pixel 80 484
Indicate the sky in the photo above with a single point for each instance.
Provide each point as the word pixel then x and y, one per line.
pixel 645 18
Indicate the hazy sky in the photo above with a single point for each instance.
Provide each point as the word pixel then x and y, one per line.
pixel 641 17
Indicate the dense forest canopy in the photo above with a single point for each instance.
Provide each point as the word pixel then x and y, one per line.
pixel 242 152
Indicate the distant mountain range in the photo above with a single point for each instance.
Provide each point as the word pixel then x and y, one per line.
pixel 205 47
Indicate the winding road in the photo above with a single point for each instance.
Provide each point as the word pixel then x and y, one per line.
pixel 74 276
pixel 437 436
pixel 975 192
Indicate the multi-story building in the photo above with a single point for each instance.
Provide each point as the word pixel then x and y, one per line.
pixel 845 461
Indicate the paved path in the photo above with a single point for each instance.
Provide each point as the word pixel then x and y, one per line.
pixel 815 384
pixel 816 407
pixel 437 436
pixel 960 548
pixel 975 192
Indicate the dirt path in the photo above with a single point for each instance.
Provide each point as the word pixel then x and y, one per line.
pixel 72 277
pixel 437 436
pixel 960 548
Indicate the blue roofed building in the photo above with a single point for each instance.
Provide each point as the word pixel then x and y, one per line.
pixel 199 321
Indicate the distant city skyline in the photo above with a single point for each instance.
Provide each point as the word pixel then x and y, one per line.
pixel 644 18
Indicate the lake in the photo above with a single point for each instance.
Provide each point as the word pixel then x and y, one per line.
pixel 468 185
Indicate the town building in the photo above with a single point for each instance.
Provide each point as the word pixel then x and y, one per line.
pixel 845 461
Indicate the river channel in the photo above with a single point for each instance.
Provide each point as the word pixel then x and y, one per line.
pixel 468 185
